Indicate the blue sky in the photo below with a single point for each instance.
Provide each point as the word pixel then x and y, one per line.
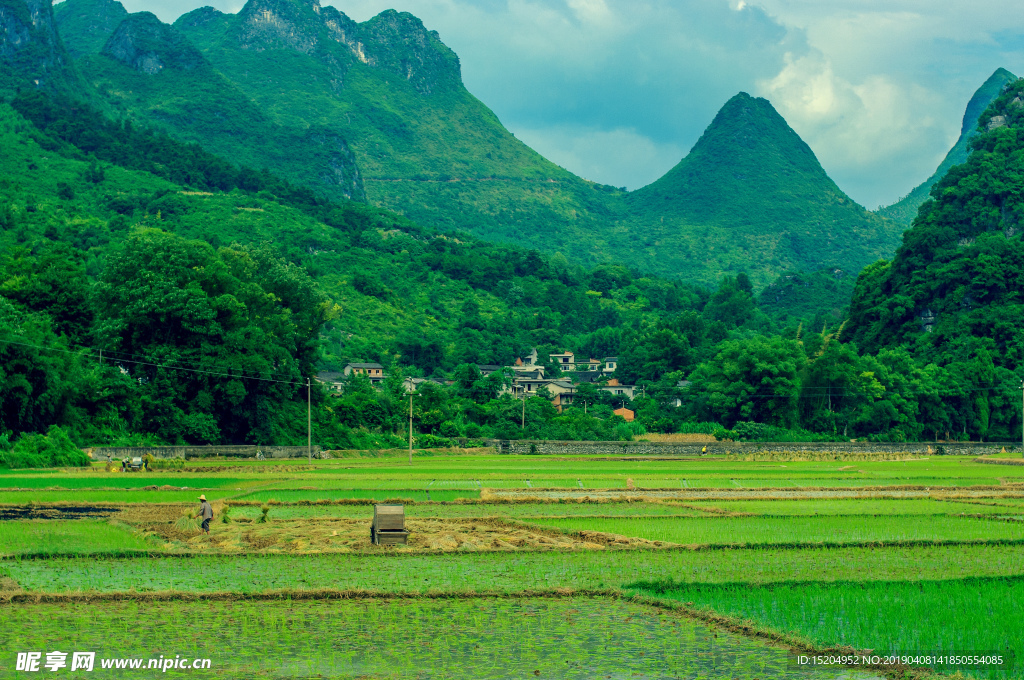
pixel 618 91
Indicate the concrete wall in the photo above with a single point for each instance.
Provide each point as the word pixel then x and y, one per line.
pixel 741 448
pixel 246 451
pixel 570 448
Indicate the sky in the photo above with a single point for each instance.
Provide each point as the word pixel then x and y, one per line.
pixel 618 91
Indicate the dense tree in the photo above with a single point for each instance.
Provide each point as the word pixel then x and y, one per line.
pixel 756 380
pixel 214 337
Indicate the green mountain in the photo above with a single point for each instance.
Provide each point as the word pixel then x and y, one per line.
pixel 148 71
pixel 282 75
pixel 752 196
pixel 392 91
pixel 905 210
pixel 32 54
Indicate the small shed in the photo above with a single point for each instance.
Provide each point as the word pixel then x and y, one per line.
pixel 388 526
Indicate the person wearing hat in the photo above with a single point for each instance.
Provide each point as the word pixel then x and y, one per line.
pixel 206 512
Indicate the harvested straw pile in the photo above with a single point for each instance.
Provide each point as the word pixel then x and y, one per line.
pixel 187 523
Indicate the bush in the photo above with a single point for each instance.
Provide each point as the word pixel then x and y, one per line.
pixel 429 441
pixel 623 433
pixel 698 428
pixel 760 432
pixel 449 429
pixel 54 449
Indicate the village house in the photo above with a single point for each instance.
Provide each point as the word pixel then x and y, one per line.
pixel 413 384
pixel 617 389
pixel 566 360
pixel 375 372
pixel 528 372
pixel 682 386
pixel 487 369
pixel 527 377
pixel 528 386
pixel 528 360
pixel 563 393
pixel 330 379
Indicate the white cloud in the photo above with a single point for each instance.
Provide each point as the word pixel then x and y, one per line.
pixel 591 11
pixel 874 123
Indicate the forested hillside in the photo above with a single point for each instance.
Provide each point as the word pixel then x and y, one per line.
pixel 374 111
pixel 153 292
pixel 177 310
pixel 953 290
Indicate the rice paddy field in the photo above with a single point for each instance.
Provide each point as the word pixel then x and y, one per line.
pixel 521 566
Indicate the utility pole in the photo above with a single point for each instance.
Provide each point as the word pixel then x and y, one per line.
pixel 523 424
pixel 309 421
pixel 411 395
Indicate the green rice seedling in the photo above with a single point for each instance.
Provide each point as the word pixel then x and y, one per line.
pixel 515 572
pixel 887 617
pixel 795 530
pixel 225 515
pixel 90 480
pixel 379 495
pixel 167 463
pixel 265 510
pixel 107 496
pixel 69 537
pixel 572 638
pixel 864 506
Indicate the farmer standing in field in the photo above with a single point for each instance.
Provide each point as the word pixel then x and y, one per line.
pixel 206 512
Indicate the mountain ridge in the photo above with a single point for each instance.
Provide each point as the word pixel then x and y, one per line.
pixel 141 41
pixel 386 96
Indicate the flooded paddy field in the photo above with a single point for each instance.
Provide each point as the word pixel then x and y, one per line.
pixel 977 614
pixel 796 529
pixel 581 637
pixel 516 566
